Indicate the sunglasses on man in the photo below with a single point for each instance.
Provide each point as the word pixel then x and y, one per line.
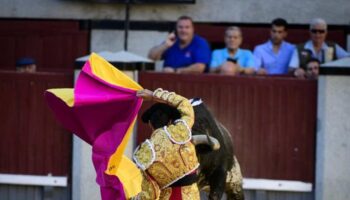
pixel 320 31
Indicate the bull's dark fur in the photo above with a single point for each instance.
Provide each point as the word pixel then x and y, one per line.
pixel 214 165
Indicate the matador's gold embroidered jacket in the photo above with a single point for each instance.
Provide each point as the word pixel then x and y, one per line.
pixel 169 154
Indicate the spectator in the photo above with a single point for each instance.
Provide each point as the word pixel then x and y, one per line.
pixel 232 60
pixel 26 65
pixel 183 51
pixel 317 48
pixel 312 68
pixel 273 57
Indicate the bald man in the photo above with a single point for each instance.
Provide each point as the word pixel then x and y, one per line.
pixel 232 60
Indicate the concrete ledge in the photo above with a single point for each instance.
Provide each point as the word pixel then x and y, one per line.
pixel 336 67
pixel 248 183
pixel 276 185
pixel 335 71
pixel 19 179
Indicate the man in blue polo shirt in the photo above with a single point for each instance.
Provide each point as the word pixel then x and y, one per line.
pixel 183 52
pixel 273 56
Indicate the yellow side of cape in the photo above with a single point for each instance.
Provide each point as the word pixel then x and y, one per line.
pixel 118 164
pixel 104 70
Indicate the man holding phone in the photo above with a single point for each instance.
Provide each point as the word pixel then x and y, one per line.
pixel 184 52
pixel 232 60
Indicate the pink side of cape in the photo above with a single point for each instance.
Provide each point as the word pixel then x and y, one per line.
pixel 101 116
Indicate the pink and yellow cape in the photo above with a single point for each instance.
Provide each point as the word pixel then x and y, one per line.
pixel 101 110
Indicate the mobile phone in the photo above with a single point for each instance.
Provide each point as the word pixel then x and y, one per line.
pixel 174 31
pixel 234 60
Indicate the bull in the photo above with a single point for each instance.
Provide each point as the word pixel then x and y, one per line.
pixel 219 170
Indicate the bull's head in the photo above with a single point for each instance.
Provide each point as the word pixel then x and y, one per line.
pixel 159 115
pixel 205 124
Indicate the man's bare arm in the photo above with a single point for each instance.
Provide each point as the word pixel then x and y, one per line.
pixel 156 52
pixel 297 72
pixel 192 69
pixel 215 69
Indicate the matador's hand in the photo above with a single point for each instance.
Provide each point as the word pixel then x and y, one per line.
pixel 145 94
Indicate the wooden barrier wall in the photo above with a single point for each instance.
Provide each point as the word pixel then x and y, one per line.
pixel 272 119
pixel 31 140
pixel 54 44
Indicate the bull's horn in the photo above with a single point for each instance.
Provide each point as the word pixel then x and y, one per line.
pixel 203 139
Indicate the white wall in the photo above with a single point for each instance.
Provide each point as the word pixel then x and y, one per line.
pixel 139 42
pixel 113 40
pixel 248 11
pixel 333 138
pixel 84 185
